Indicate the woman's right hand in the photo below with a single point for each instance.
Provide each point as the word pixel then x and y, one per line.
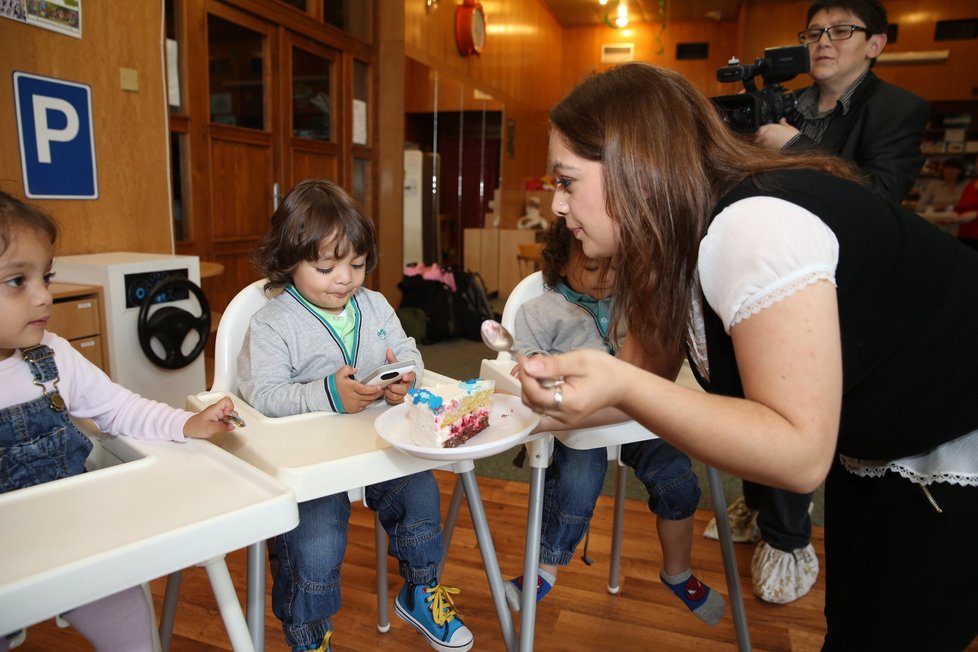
pixel 592 380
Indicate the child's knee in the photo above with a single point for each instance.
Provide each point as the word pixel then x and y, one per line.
pixel 676 499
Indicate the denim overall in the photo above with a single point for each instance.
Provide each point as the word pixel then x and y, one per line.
pixel 38 442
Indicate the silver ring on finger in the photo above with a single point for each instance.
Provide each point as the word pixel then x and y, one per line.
pixel 558 398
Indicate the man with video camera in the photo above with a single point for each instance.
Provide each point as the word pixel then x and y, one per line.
pixel 855 115
pixel 849 111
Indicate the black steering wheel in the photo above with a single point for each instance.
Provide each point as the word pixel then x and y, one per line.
pixel 170 325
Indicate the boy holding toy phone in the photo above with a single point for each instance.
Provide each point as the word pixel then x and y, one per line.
pixel 314 347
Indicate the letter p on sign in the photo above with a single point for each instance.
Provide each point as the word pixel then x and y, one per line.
pixel 57 144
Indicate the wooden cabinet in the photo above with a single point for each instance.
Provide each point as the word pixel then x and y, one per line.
pixel 76 315
pixel 492 253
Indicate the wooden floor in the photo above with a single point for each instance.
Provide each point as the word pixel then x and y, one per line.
pixel 578 615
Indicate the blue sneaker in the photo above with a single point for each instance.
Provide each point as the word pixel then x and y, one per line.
pixel 322 647
pixel 430 609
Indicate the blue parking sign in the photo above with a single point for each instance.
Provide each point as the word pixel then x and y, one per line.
pixel 57 141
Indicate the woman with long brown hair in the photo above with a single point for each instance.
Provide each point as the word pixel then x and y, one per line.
pixel 833 332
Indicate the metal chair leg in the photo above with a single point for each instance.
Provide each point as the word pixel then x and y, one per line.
pixel 618 524
pixel 380 547
pixel 451 518
pixel 466 473
pixel 538 452
pixel 169 608
pixel 256 593
pixel 729 559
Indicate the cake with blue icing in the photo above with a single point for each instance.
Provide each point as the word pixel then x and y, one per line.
pixel 449 414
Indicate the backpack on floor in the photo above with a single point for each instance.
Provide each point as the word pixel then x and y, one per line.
pixel 471 305
pixel 436 301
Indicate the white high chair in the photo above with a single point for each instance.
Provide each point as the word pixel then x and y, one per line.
pixel 230 336
pixel 310 484
pixel 614 436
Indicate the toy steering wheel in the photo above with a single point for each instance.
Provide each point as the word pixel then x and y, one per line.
pixel 169 325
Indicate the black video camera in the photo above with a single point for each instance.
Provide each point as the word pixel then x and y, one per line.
pixel 745 112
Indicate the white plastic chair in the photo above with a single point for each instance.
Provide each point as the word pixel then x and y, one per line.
pixel 613 437
pixel 230 336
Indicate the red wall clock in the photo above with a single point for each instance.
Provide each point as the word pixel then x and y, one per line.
pixel 470 28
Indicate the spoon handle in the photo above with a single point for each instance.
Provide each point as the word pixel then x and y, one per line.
pixel 550 383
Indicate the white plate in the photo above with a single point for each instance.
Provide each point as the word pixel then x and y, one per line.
pixel 509 422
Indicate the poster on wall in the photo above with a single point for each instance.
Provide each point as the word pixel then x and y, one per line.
pixel 63 16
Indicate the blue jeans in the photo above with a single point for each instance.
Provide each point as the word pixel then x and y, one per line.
pixel 306 590
pixel 574 480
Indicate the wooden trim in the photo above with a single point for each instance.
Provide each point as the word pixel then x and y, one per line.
pixel 302 23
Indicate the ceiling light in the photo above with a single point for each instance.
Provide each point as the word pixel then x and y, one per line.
pixel 622 19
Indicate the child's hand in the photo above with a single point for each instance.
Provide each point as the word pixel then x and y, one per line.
pixel 354 395
pixel 209 421
pixel 395 392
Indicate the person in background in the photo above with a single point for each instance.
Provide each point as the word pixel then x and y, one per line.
pixel 967 209
pixel 939 196
pixel 833 331
pixel 303 352
pixel 575 313
pixel 46 382
pixel 851 113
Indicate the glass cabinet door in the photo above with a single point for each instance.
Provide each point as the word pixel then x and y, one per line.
pixel 237 74
pixel 313 96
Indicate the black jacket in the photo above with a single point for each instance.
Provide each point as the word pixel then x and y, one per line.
pixel 881 134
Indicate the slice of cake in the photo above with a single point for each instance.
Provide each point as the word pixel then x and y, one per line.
pixel 448 415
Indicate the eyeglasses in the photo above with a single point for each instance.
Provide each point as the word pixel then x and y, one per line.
pixel 835 32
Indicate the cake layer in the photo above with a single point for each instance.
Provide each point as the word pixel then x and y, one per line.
pixel 448 415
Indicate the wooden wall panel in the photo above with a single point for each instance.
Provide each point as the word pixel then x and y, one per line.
pixel 656 45
pixel 954 79
pixel 132 212
pixel 519 67
pixel 389 150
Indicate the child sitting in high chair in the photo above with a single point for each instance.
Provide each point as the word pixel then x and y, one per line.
pixel 306 350
pixel 576 313
pixel 45 382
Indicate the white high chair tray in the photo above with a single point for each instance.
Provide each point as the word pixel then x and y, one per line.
pixel 510 422
pixel 71 541
pixel 319 453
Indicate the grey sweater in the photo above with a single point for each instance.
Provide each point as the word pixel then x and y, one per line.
pixel 289 356
pixel 557 321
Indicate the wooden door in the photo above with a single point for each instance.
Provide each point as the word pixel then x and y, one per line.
pixel 243 158
pixel 271 95
pixel 313 118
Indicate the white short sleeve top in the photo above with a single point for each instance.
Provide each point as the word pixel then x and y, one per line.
pixel 760 250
